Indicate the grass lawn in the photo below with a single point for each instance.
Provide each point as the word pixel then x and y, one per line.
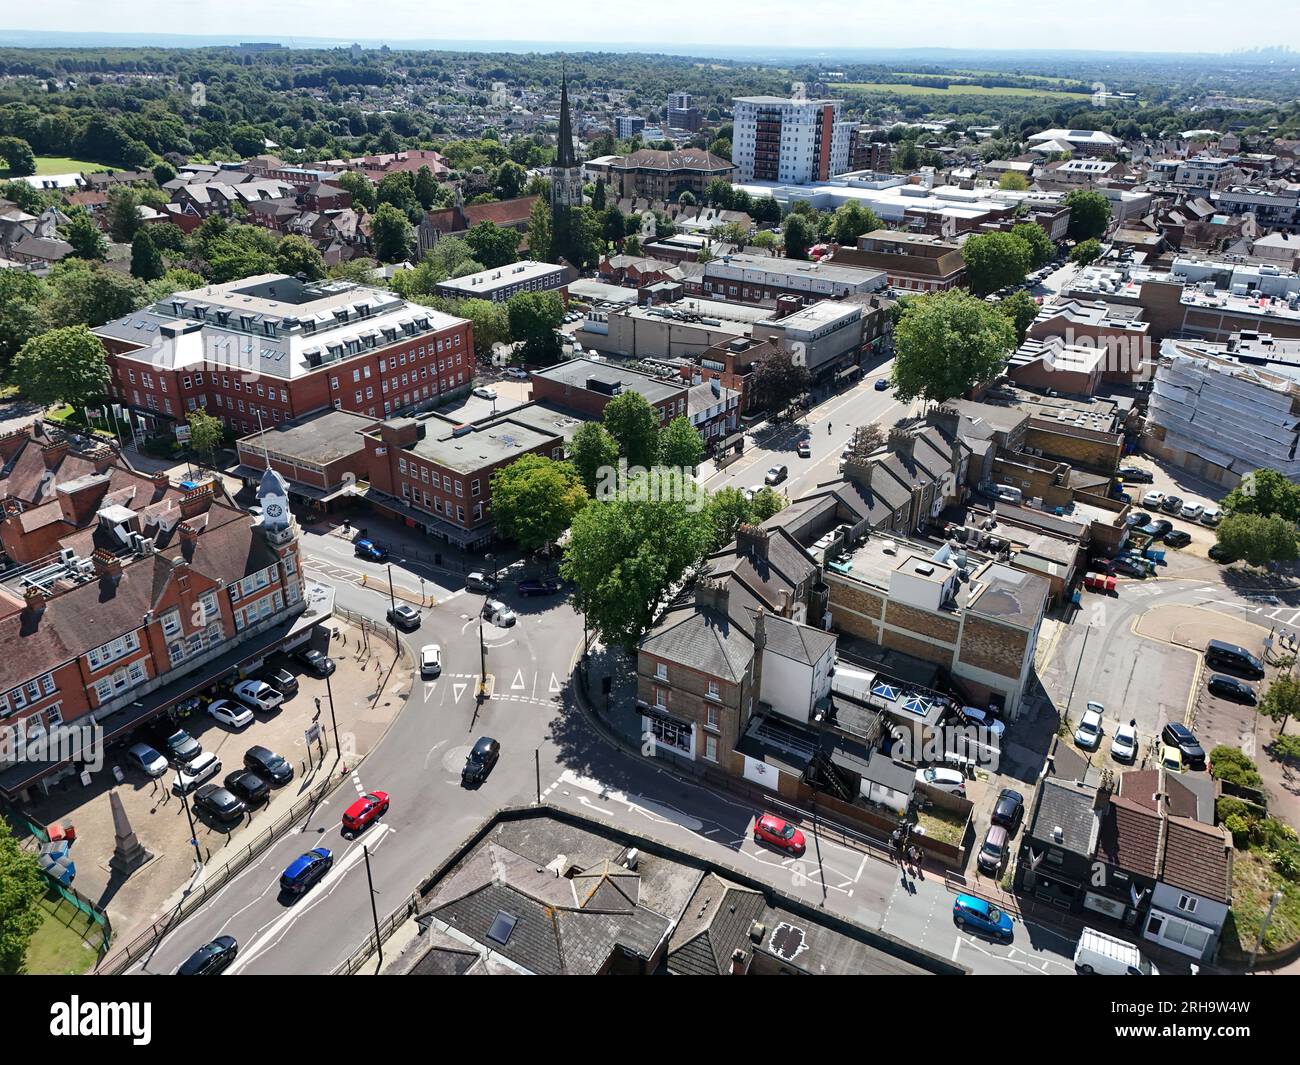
pixel 66 944
pixel 1253 883
pixel 953 90
pixel 59 164
pixel 942 825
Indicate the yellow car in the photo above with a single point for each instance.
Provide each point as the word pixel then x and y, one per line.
pixel 1172 759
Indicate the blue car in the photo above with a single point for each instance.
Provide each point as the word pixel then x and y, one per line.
pixel 305 870
pixel 972 913
pixel 882 383
pixel 370 551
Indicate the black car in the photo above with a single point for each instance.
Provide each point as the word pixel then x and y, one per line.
pixel 481 759
pixel 268 765
pixel 1172 504
pixel 1008 810
pixel 211 958
pixel 248 786
pixel 1137 518
pixel 1232 688
pixel 218 803
pixel 1180 736
pixel 1178 538
pixel 1218 554
pixel 317 661
pixel 177 744
pixel 1157 529
pixel 1134 474
pixel 1127 567
pixel 281 680
pixel 548 586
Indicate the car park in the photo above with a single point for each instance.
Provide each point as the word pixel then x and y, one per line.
pixel 257 694
pixel 484 392
pixel 498 613
pixel 305 871
pixel 482 757
pixel 317 662
pixel 248 786
pixel 230 713
pixel 1177 538
pixel 993 851
pixel 188 777
pixel 1153 499
pixel 776 474
pixel 146 759
pixel 1135 474
pixel 1124 744
pixel 178 744
pixel 370 551
pixel 969 912
pixel 480 582
pixel 1232 688
pixel 1182 739
pixel 942 778
pixel 219 803
pixel 1172 504
pixel 882 384
pixel 211 959
pixel 365 811
pixel 778 832
pixel 430 660
pixel 1192 511
pixel 281 680
pixel 544 586
pixel 1088 733
pixel 1008 810
pixel 404 616
pixel 268 765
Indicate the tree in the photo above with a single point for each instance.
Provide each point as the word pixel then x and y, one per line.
pixel 426 187
pixel 355 182
pixel 591 450
pixel 633 423
pixel 728 509
pixel 146 260
pixel 1257 539
pixel 947 342
pixel 534 317
pixel 1089 213
pixel 800 235
pixel 393 237
pixel 1085 252
pixel 1234 766
pixel 534 500
pixel 1281 700
pixel 163 172
pixel 65 365
pixel 84 236
pixel 852 220
pixel 540 238
pixel 22 312
pixel 686 198
pixel 18 157
pixel 491 324
pixel 297 255
pixel 398 189
pixel 206 433
pixel 613 224
pixel 1021 310
pixel 680 444
pixel 766 240
pixel 625 554
pixel 598 196
pixel 242 251
pixel 91 293
pixel 778 379
pixel 766 502
pixel 1041 248
pixel 995 260
pixel 493 245
pixel 22 886
pixel 1013 181
pixel 1265 492
pixel 123 214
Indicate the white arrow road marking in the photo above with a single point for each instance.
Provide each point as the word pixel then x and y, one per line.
pixel 429 754
pixel 458 690
pixel 555 685
pixel 655 811
pixel 518 683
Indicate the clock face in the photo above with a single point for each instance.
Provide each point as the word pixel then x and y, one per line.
pixel 274 510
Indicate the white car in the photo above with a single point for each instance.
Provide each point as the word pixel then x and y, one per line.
pixel 516 374
pixel 975 716
pixel 229 713
pixel 1088 734
pixel 1153 499
pixel 498 613
pixel 483 392
pixel 204 767
pixel 430 660
pixel 944 779
pixel 1193 511
pixel 149 760
pixel 257 694
pixel 1124 744
pixel 752 491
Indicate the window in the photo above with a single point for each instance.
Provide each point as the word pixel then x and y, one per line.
pixel 171 622
pixel 712 717
pixel 1187 903
pixel 672 733
pixel 711 748
pixel 473 488
pixel 713 689
pixel 661 670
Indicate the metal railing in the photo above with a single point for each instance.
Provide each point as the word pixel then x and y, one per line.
pixel 370 946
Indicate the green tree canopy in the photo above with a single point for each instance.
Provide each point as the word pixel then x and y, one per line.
pixel 493 245
pixel 1265 492
pixel 945 343
pixel 22 886
pixel 591 450
pixel 17 156
pixel 680 444
pixel 534 317
pixel 66 365
pixel 363 192
pixel 1089 213
pixel 491 324
pixel 534 500
pixel 1041 248
pixel 392 234
pixel 633 423
pixel 84 235
pixel 297 255
pixel 1085 251
pixel 1281 700
pixel 540 238
pixel 995 260
pixel 779 379
pixel 852 220
pixel 146 260
pixel 1013 181
pixel 1021 309
pixel 800 235
pixel 206 433
pixel 123 213
pixel 1257 539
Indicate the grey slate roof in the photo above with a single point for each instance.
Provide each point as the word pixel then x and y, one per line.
pixel 716 922
pixel 702 639
pixel 1068 806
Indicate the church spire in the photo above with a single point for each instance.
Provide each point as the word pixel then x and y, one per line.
pixel 565 155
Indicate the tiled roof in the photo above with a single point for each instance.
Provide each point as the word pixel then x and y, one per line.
pixel 714 924
pixel 702 639
pixel 1130 837
pixel 1198 858
pixel 1069 807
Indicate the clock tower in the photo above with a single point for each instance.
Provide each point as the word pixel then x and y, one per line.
pixel 276 522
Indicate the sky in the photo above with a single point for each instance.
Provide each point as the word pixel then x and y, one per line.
pixel 1137 25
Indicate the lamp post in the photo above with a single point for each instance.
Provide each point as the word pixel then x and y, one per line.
pixel 374 913
pixel 1263 928
pixel 329 690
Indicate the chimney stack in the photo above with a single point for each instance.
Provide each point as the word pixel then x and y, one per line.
pixel 858 473
pixel 752 540
pixel 161 481
pixel 760 629
pixel 739 962
pixel 102 457
pixel 712 592
pixel 196 501
pixel 53 453
pixel 901 442
pixel 106 563
pixel 35 600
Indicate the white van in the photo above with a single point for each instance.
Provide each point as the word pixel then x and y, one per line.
pixel 1107 956
pixel 1008 493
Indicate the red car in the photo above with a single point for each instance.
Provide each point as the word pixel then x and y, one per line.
pixel 771 829
pixel 366 809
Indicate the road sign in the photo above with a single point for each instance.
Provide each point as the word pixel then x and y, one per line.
pixel 313 733
pixel 182 434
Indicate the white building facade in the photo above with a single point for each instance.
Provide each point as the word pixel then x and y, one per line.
pixel 793 141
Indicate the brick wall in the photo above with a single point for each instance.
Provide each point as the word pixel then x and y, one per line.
pixel 931 652
pixel 996 648
pixel 1078 450
pixel 922 621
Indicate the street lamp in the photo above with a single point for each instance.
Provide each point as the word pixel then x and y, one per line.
pixel 329 690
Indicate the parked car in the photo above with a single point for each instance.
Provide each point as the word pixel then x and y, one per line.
pixel 979 915
pixel 776 474
pixel 1211 515
pixel 484 392
pixel 257 694
pixel 1232 688
pixel 365 811
pixel 1192 511
pixel 882 384
pixel 516 374
pixel 1224 655
pixel 1124 744
pixel 248 786
pixel 544 586
pixel 1135 474
pixel 268 765
pixel 188 777
pixel 404 616
pixel 1153 499
pixel 1171 758
pixel 1137 518
pixel 306 870
pixel 1008 810
pixel 1177 538
pixel 178 744
pixel 1172 504
pixel 993 851
pixel 230 713
pixel 282 681
pixel 370 551
pixel 482 757
pixel 1129 567
pixel 1157 529
pixel 1218 554
pixel 210 959
pixel 804 447
pixel 973 715
pixel 480 582
pixel 318 662
pixel 942 778
pixel 1088 734
pixel 1179 736
pixel 219 803
pixel 1099 953
pixel 145 758
pixel 778 832
pixel 430 660
pixel 498 613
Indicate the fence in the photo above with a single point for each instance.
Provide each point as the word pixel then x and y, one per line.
pixel 370 946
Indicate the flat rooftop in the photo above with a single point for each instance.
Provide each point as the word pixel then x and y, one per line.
pixel 484 445
pixel 575 373
pixel 502 276
pixel 319 440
